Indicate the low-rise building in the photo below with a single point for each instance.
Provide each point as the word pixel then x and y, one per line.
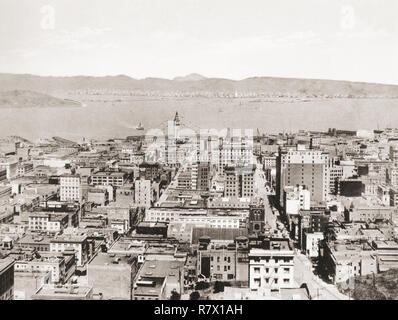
pixel 108 178
pixel 63 292
pixel 111 275
pixel 223 260
pixel 26 283
pixel 78 243
pixel 341 262
pixel 158 278
pixel 39 242
pixel 311 243
pixel 49 222
pixel 55 265
pixel 271 268
pixel 181 231
pixel 387 254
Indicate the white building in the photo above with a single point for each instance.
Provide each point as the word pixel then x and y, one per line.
pixel 312 244
pixel 296 199
pixel 11 168
pixel 270 270
pixel 54 265
pixel 365 133
pixel 41 221
pixel 70 188
pixel 77 243
pixel 199 217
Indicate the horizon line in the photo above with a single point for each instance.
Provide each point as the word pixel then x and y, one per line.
pixel 193 73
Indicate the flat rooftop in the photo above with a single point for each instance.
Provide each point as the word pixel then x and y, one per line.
pixel 104 259
pixel 149 286
pixel 162 268
pixel 69 238
pixel 5 263
pixel 60 292
pixel 109 173
pixel 31 238
pixel 386 244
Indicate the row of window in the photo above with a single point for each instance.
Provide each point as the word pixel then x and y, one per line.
pixel 226 259
pixel 226 268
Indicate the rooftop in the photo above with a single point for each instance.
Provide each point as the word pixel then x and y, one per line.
pixel 149 286
pixel 109 259
pixel 60 292
pixel 162 268
pixel 5 263
pixel 70 238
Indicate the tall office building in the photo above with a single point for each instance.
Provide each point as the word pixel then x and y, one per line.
pixel 177 126
pixel 201 176
pixel 300 166
pixel 239 182
pixel 235 151
pixel 143 193
pixel 70 187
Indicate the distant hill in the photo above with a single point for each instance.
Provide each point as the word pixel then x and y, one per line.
pixel 190 77
pixel 32 99
pixel 194 83
pixel 14 139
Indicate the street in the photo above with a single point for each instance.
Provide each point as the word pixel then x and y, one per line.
pixel 319 290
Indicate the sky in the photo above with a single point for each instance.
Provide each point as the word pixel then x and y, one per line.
pixel 355 40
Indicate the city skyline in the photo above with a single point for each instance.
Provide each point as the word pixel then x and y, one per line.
pixel 188 150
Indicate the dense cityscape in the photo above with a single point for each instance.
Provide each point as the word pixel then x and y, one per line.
pixel 198 159
pixel 177 214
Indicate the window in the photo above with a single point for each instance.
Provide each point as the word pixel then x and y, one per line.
pixel 286 270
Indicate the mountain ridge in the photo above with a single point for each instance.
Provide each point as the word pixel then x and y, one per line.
pixel 31 99
pixel 266 86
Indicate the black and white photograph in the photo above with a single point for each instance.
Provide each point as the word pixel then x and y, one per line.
pixel 217 153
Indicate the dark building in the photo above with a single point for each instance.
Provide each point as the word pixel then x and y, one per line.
pixel 363 170
pixel 350 188
pixel 6 279
pixel 203 176
pixel 310 221
pixel 149 171
pixel 268 242
pixel 224 261
pixel 152 228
